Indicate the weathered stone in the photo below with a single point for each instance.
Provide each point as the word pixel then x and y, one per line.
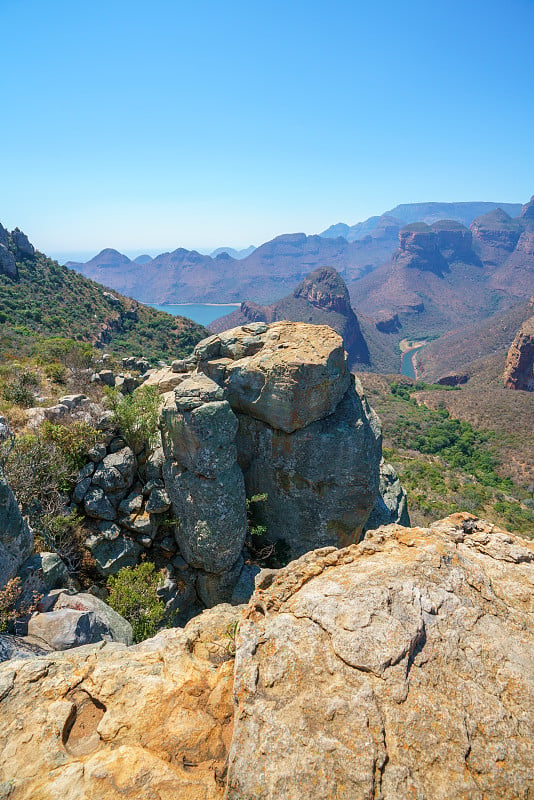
pixel 118 629
pixel 81 490
pixel 165 379
pixel 244 588
pixel 72 400
pixel 8 265
pixel 65 628
pixel 97 453
pixel 16 537
pixel 50 570
pixel 24 247
pixel 519 369
pixel 116 471
pixel 211 516
pixel 132 504
pixel 70 729
pixel 20 647
pixel 55 413
pixel 158 502
pixel 107 377
pixel 113 552
pixel 397 668
pixel 201 440
pixel 86 471
pixel 97 505
pixel 140 524
pixel 321 481
pixel 392 501
pixel 299 374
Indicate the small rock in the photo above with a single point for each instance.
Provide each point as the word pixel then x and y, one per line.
pixel 52 572
pixel 158 502
pixel 97 505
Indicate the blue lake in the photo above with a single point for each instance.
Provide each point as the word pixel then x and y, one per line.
pixel 203 313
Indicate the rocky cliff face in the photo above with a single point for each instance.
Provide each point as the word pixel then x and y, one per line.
pixel 8 264
pixel 398 667
pixel 519 369
pixel 433 247
pixel 322 298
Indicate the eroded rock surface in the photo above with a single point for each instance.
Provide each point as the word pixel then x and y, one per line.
pixel 397 668
pixel 16 538
pixel 107 722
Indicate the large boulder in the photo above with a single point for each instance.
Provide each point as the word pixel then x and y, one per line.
pixel 397 668
pixel 288 376
pixel 16 537
pixel 114 628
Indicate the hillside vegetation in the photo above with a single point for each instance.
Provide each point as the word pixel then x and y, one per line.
pixel 450 458
pixel 50 300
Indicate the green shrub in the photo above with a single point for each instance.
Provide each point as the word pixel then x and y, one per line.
pixel 73 441
pixel 56 372
pixel 133 595
pixel 20 390
pixel 136 415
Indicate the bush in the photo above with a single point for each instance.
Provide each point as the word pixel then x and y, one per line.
pixel 20 390
pixel 56 372
pixel 136 415
pixel 64 534
pixel 133 595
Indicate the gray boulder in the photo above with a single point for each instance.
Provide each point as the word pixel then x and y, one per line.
pixel 66 628
pixel 16 537
pixel 114 627
pixel 116 471
pixel 112 550
pixel 20 647
pixel 211 516
pixel 97 505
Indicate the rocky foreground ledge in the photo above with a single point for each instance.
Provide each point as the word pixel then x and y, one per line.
pixel 399 667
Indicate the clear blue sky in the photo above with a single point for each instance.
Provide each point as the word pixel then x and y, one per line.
pixel 152 125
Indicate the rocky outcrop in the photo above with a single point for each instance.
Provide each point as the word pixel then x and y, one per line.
pixel 322 298
pixel 433 247
pixel 495 236
pixel 16 538
pixel 8 265
pixel 271 410
pixel 23 246
pixel 205 484
pixel 519 369
pixel 392 502
pixel 399 667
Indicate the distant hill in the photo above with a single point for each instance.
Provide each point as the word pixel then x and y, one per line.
pixel 267 274
pixel 421 212
pixel 237 254
pixel 444 275
pixel 41 299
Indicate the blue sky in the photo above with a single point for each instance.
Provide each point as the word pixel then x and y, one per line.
pixel 151 125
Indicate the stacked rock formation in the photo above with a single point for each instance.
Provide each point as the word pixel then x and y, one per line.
pixel 271 410
pixel 398 667
pixel 519 369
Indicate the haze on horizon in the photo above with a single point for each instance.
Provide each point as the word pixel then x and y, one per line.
pixel 148 128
